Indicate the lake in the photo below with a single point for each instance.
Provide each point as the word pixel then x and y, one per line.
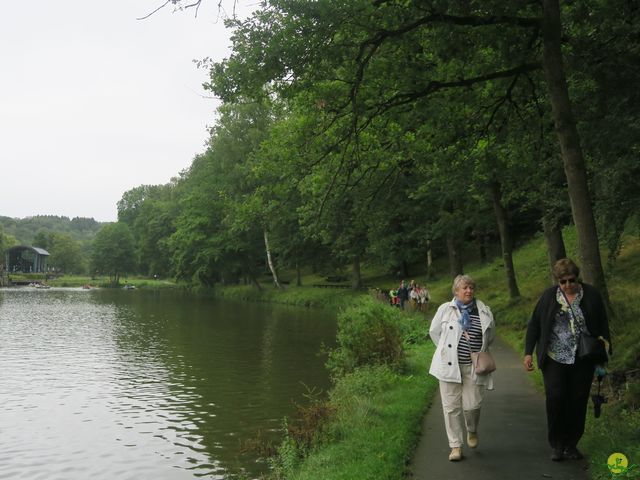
pixel 136 384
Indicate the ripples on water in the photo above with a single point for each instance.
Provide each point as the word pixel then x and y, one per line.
pixel 132 385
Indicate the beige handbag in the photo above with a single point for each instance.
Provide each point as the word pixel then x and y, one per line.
pixel 483 362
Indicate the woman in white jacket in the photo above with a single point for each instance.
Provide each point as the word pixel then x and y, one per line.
pixel 459 327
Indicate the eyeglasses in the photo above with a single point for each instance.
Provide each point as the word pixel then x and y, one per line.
pixel 563 281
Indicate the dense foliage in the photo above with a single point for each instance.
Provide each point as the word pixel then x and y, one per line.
pixel 26 230
pixel 369 334
pixel 390 132
pixel 113 252
pixel 68 241
pixel 393 132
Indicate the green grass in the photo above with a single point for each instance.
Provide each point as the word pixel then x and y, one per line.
pixel 377 431
pixel 306 296
pixel 616 431
pixel 103 282
pixel 377 425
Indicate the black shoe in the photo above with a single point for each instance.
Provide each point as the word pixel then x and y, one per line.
pixel 572 453
pixel 557 455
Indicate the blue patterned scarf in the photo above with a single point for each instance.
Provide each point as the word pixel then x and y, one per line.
pixel 465 310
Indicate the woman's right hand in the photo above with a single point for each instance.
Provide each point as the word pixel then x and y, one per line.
pixel 528 363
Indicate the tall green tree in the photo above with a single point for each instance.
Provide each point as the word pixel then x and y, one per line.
pixel 41 238
pixel 66 254
pixel 392 55
pixel 217 237
pixel 602 51
pixel 113 252
pixel 570 146
pixel 150 212
pixel 6 241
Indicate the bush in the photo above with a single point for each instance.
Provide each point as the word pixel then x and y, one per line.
pixel 369 333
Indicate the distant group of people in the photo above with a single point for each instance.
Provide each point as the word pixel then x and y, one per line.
pixel 413 294
pixel 564 314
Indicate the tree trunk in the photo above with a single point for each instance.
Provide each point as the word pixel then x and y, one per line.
pixel 455 262
pixel 481 240
pixel 482 250
pixel 255 281
pixel 270 261
pixel 429 260
pixel 356 278
pixel 505 239
pixel 555 243
pixel 574 165
pixel 405 269
pixel 298 275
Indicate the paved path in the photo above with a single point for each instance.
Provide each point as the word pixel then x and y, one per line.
pixel 512 434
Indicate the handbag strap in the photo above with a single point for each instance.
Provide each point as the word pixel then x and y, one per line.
pixel 468 339
pixel 572 314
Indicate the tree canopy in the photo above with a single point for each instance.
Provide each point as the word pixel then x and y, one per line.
pixel 113 252
pixel 388 130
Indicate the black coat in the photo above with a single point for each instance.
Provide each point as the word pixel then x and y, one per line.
pixel 403 293
pixel 541 321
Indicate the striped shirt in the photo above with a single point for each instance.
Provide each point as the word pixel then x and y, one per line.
pixel 475 339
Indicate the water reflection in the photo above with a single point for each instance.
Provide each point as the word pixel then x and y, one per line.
pixel 134 384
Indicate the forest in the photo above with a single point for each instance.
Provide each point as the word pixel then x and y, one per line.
pixel 68 241
pixel 410 135
pixel 396 132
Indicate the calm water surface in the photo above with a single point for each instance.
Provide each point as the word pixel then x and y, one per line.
pixel 114 384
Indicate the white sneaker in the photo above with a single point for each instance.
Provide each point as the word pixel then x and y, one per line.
pixel 472 439
pixel 456 454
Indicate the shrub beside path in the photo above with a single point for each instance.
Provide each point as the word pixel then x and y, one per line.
pixel 513 434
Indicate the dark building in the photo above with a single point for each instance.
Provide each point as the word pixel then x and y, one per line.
pixel 25 259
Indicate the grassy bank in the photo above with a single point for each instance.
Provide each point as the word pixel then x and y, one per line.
pixel 377 423
pixel 303 296
pixel 71 281
pixel 377 413
pixel 370 423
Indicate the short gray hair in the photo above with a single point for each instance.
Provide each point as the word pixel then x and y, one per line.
pixel 462 280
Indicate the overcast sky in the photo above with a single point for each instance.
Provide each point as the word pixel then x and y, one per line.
pixel 94 102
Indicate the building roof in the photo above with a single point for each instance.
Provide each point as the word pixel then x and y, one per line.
pixel 39 251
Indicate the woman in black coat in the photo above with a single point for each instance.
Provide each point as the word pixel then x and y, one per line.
pixel 563 313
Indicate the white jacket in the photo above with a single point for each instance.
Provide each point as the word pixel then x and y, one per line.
pixel 445 332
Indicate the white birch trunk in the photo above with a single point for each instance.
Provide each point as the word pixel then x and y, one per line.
pixel 270 261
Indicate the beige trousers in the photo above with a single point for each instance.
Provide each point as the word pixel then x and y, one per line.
pixel 461 404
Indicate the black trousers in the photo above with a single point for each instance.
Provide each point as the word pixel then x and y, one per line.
pixel 567 390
